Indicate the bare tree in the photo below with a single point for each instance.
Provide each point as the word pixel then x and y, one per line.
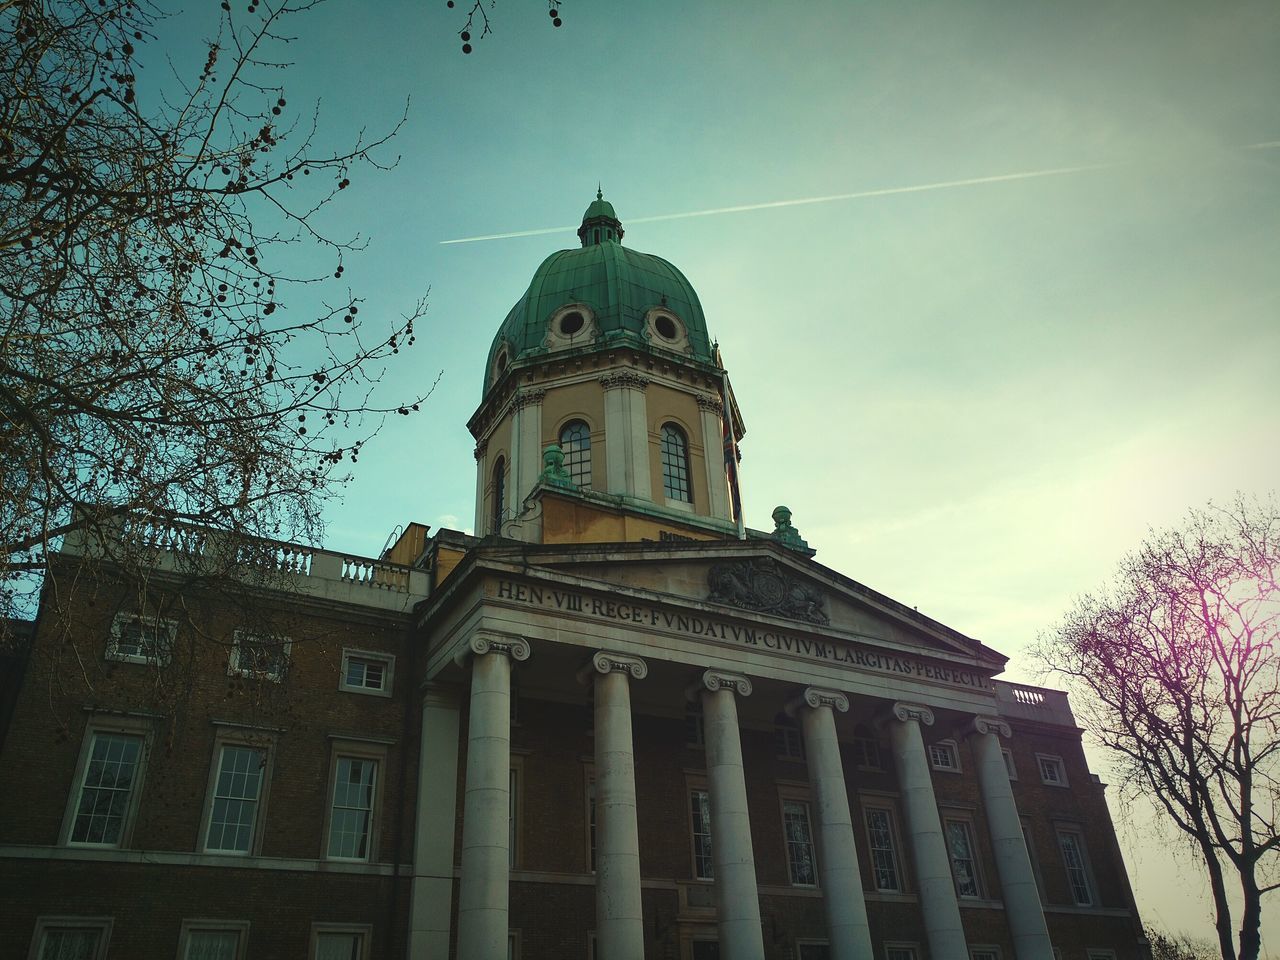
pixel 1168 946
pixel 1177 671
pixel 161 361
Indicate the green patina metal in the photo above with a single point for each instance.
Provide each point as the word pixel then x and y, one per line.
pixel 618 285
pixel 553 471
pixel 784 532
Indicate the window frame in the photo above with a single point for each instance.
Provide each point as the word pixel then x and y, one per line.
pixel 692 788
pixel 1056 762
pixel 788 739
pixel 911 948
pixel 971 836
pixel 160 623
pixel 388 674
pixel 811 942
pixel 886 806
pixel 1032 856
pixel 786 797
pixel 498 493
pixel 1076 833
pixel 200 925
pixel 515 813
pixel 670 469
pixel 1009 763
pixel 44 924
pixel 574 459
pixel 589 814
pixel 363 930
pixel 948 748
pixel 234 669
pixel 98 724
pixel 864 758
pixel 238 738
pixel 991 951
pixel 342 748
pixel 694 723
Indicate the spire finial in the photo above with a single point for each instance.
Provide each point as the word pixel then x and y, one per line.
pixel 599 192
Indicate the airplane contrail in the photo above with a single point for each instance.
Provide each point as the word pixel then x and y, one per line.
pixel 858 195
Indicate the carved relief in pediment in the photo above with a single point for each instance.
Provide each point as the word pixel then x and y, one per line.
pixel 762 585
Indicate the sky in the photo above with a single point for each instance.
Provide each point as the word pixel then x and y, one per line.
pixel 975 398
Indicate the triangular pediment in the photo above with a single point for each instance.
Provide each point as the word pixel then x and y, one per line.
pixel 747 580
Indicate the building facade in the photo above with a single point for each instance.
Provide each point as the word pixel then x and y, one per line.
pixel 615 724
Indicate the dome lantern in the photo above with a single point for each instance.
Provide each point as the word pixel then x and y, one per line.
pixel 600 224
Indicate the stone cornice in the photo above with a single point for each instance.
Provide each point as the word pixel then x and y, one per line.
pixel 517 648
pixel 604 662
pixel 815 697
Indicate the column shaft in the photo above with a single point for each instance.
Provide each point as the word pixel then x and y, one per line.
pixel 619 919
pixel 738 899
pixel 929 851
pixel 1022 904
pixel 431 897
pixel 849 935
pixel 486 864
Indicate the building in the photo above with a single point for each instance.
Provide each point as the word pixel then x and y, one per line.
pixel 617 725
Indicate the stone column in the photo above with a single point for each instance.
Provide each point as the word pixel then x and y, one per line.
pixel 431 896
pixel 483 895
pixel 626 435
pixel 482 478
pixel 737 898
pixel 526 445
pixel 847 929
pixel 619 918
pixel 711 410
pixel 924 829
pixel 1022 904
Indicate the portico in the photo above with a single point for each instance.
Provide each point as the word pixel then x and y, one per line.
pixel 648 655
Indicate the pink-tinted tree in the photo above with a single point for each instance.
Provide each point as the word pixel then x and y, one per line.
pixel 1176 670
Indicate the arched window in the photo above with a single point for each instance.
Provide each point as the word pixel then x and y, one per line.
pixel 499 494
pixel 575 442
pixel 675 464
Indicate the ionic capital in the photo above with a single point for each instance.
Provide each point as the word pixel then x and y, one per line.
pixel 603 662
pixel 624 378
pixel 517 648
pixel 903 712
pixel 815 697
pixel 719 680
pixel 984 725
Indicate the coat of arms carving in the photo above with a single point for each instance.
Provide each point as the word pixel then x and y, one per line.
pixel 762 585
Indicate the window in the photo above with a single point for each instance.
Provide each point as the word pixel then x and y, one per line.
pixel 812 950
pixel 513 815
pixel 71 938
pixel 575 443
pixel 340 941
pixel 1071 843
pixel 799 837
pixel 237 781
pixel 943 756
pixel 499 495
pixel 786 738
pixel 513 945
pixel 694 731
pixel 866 749
pixel 355 782
pixel 110 774
pixel 882 843
pixel 257 656
pixel 705 949
pixel 1031 855
pixel 1051 770
pixel 900 951
pixel 984 953
pixel 675 464
pixel 700 813
pixel 366 672
pixel 138 639
pixel 213 940
pixel 1008 762
pixel 960 849
pixel 591 822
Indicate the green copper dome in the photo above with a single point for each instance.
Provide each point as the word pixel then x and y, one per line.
pixel 623 290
